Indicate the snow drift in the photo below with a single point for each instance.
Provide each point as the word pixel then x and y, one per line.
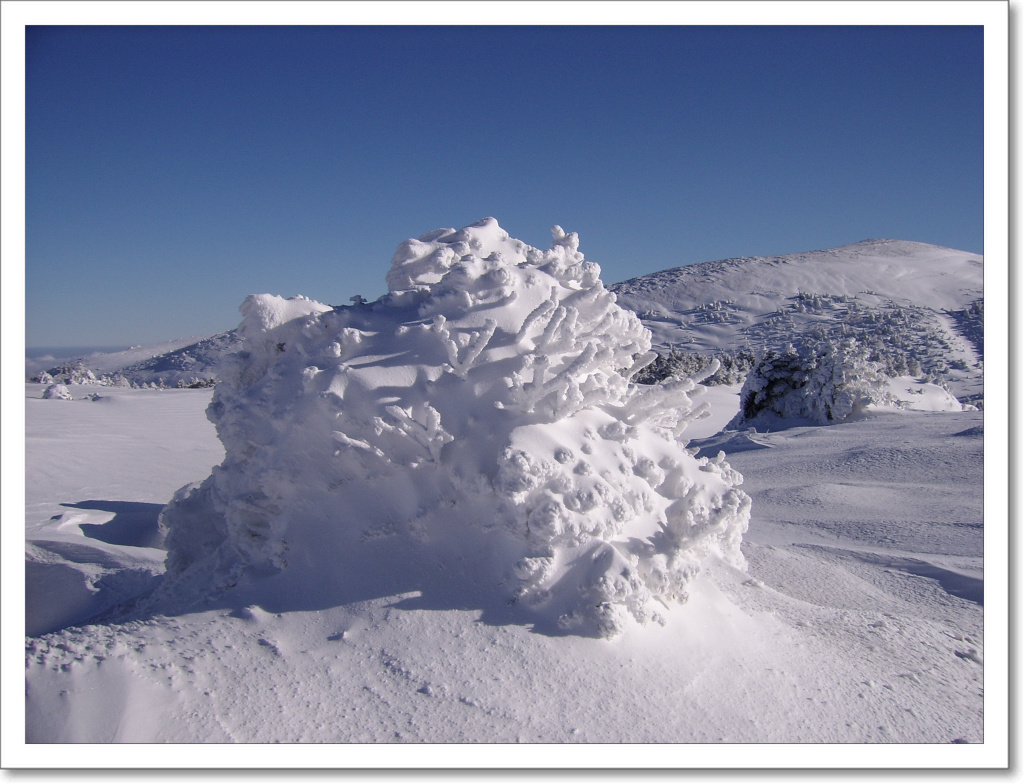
pixel 471 437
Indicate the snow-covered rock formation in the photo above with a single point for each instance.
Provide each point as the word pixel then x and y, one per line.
pixel 56 392
pixel 471 434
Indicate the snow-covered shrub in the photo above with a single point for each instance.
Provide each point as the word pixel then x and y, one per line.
pixel 196 383
pixel 823 383
pixel 674 364
pixel 73 373
pixel 732 368
pixel 478 415
pixel 115 380
pixel 56 392
pixel 42 378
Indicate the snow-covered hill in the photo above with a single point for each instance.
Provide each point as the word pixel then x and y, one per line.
pixel 181 362
pixel 918 308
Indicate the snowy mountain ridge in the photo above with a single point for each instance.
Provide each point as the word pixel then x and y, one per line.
pixel 918 308
pixel 900 270
pixel 181 362
pixel 920 305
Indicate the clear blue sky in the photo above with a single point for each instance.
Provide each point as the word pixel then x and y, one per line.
pixel 171 171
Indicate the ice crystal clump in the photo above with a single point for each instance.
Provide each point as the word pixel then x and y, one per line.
pixel 478 418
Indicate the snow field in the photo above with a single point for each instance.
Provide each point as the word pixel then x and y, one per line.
pixel 446 517
pixel 98 471
pixel 833 635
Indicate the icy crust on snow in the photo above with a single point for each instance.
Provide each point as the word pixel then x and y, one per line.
pixel 479 413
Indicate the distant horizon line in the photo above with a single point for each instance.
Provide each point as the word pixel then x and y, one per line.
pixel 59 352
pixel 76 351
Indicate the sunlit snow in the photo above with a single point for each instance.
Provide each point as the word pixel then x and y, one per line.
pixel 449 516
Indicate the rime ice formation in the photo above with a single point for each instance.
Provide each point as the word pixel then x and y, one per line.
pixel 822 383
pixel 826 383
pixel 57 391
pixel 476 423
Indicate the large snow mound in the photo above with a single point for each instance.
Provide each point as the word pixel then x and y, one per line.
pixel 471 437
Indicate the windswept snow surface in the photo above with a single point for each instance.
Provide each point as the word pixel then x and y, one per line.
pixel 311 597
pixel 858 620
pixel 98 471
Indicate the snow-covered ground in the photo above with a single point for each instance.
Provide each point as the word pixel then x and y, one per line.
pixel 503 564
pixel 98 471
pixel 859 618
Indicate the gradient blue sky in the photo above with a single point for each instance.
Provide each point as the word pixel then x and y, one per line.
pixel 171 171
